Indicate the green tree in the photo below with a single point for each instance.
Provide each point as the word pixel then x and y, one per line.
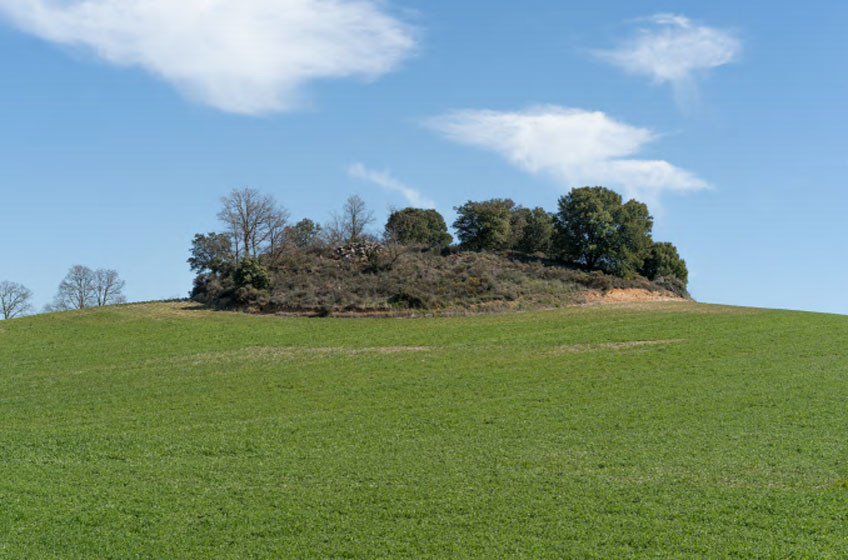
pixel 594 229
pixel 211 253
pixel 532 230
pixel 664 261
pixel 304 233
pixel 416 226
pixel 485 226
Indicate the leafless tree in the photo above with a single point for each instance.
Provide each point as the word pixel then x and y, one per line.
pixel 76 291
pixel 108 287
pixel 14 300
pixel 254 222
pixel 276 223
pixel 333 232
pixel 350 225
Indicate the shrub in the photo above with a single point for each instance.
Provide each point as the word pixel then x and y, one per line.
pixel 663 261
pixel 251 273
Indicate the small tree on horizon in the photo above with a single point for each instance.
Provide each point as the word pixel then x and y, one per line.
pixel 108 287
pixel 83 287
pixel 255 222
pixel 14 300
pixel 350 225
pixel 304 233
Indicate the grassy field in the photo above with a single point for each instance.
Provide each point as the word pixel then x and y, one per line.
pixel 671 430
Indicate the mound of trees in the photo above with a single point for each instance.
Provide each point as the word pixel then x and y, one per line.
pixel 593 229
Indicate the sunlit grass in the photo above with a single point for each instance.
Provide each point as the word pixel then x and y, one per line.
pixel 651 430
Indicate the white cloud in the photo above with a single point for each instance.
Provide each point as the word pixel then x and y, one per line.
pixel 241 56
pixel 385 180
pixel 576 147
pixel 672 49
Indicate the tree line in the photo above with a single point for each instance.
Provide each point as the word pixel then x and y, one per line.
pixel 82 287
pixel 593 228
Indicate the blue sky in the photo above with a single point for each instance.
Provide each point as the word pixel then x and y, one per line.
pixel 122 123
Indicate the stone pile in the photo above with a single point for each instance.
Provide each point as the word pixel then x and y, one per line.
pixel 358 251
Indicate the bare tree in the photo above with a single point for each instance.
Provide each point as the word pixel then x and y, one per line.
pixel 108 287
pixel 349 226
pixel 254 221
pixel 83 287
pixel 333 232
pixel 276 223
pixel 76 291
pixel 14 300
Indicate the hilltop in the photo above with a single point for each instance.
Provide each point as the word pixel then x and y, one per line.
pixel 669 429
pixel 372 279
pixel 508 257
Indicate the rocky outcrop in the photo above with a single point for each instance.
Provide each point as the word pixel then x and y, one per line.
pixel 358 251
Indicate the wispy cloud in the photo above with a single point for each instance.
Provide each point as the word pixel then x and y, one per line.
pixel 241 56
pixel 574 146
pixel 385 180
pixel 673 49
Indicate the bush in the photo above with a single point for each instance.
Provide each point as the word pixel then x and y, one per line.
pixel 251 273
pixel 663 261
pixel 672 284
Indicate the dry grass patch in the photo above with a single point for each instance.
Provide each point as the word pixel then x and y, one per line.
pixel 579 348
pixel 274 353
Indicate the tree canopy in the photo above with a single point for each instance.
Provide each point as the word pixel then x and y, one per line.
pixel 416 226
pixel 485 226
pixel 663 261
pixel 596 230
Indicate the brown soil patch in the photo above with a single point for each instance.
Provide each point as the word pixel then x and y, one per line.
pixel 630 295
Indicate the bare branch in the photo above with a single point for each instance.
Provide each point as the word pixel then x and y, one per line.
pixel 14 300
pixel 108 287
pixel 349 226
pixel 76 291
pixel 255 222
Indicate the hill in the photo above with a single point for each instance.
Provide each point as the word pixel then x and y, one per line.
pixel 372 279
pixel 642 430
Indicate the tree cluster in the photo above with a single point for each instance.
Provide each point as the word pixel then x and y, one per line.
pixel 83 287
pixel 592 229
pixel 500 224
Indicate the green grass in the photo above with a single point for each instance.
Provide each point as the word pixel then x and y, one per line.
pixel 155 431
